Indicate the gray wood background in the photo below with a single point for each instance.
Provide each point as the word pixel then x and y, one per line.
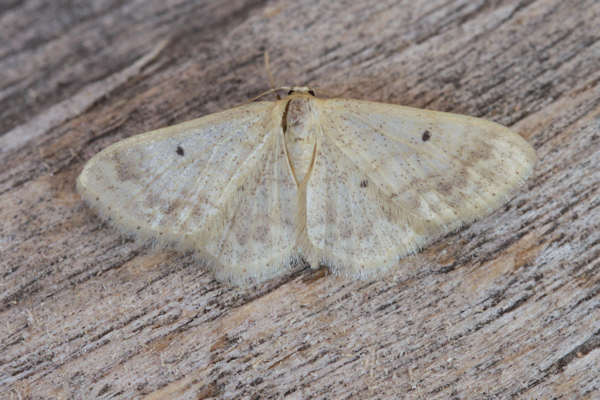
pixel 508 307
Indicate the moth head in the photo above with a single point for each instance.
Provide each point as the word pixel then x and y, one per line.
pixel 301 89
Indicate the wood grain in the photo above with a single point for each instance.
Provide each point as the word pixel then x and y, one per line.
pixel 508 307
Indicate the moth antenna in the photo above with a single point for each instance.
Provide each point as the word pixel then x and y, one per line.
pixel 269 74
pixel 264 94
pixel 268 92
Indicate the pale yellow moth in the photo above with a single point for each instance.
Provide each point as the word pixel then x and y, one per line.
pixel 354 185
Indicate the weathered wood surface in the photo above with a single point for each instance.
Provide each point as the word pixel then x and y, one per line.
pixel 507 307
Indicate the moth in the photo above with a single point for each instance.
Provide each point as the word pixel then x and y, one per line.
pixel 351 184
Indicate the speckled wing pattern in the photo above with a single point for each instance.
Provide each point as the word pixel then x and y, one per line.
pixel 352 184
pixel 389 179
pixel 255 233
pixel 218 185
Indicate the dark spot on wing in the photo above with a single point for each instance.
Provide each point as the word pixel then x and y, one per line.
pixel 179 150
pixel 311 92
pixel 426 136
pixel 364 183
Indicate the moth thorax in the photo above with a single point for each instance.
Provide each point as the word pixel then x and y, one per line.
pixel 299 129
